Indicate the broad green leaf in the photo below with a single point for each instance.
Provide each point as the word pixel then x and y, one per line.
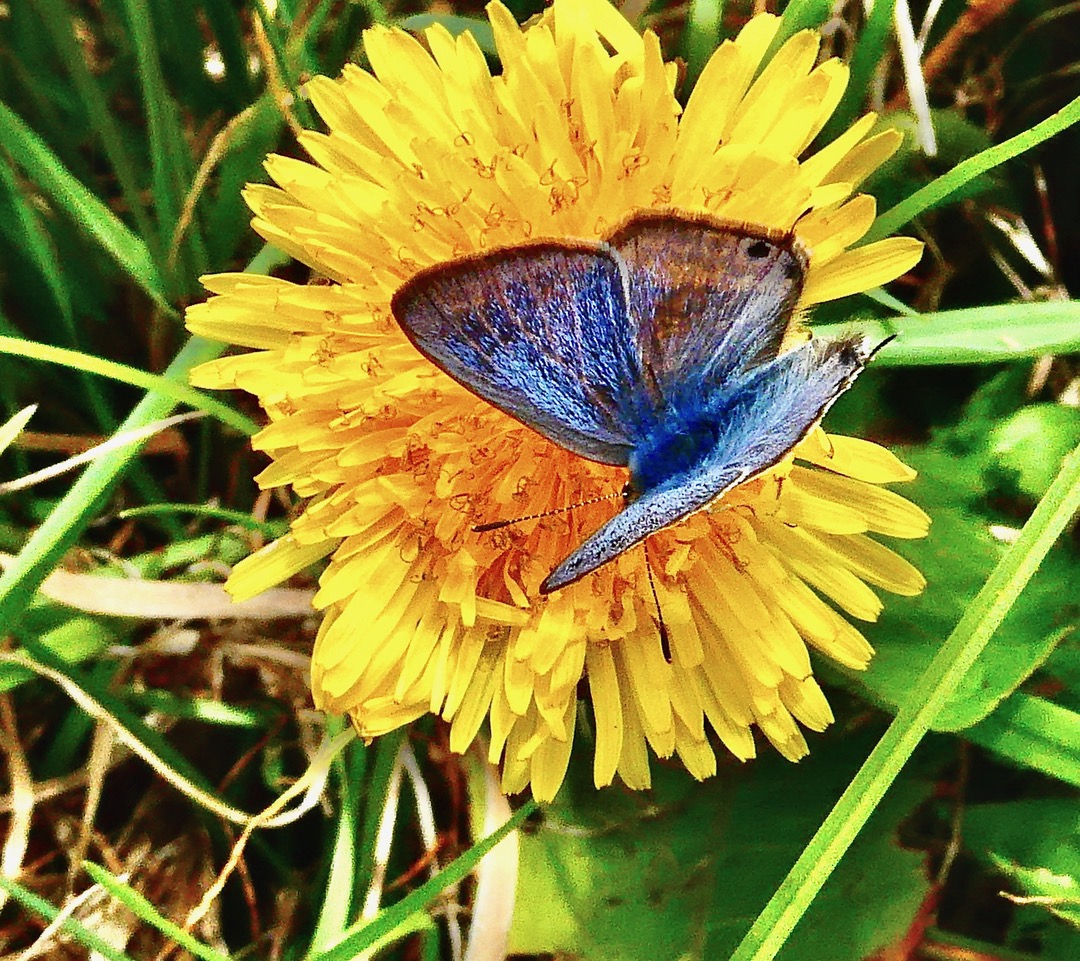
pixel 679 873
pixel 1033 732
pixel 1031 443
pixel 956 559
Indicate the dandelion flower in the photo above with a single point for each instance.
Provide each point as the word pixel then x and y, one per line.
pixel 429 158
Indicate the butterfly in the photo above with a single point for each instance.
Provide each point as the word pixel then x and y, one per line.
pixel 657 349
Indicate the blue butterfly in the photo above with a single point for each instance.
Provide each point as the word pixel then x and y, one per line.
pixel 657 350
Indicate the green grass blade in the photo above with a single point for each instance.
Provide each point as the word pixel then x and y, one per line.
pixel 14 426
pixel 938 191
pixel 178 390
pixel 224 21
pixel 1056 510
pixel 275 528
pixel 70 926
pixel 336 905
pixel 141 908
pixel 59 23
pixel 171 163
pixel 80 204
pixel 398 914
pixel 798 15
pixel 284 64
pixel 974 335
pixel 78 507
pixel 702 34
pixel 35 244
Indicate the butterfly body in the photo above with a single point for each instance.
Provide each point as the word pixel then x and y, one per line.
pixel 658 350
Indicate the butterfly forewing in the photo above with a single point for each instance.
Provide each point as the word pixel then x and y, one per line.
pixel 541 331
pixel 709 300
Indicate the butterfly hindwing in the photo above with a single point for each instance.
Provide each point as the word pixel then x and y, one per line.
pixel 541 331
pixel 757 421
pixel 765 415
pixel 709 300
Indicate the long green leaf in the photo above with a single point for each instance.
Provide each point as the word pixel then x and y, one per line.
pixel 60 24
pixel 975 335
pixel 397 914
pixel 45 169
pixel 957 654
pixel 178 390
pixel 1035 733
pixel 702 34
pixel 336 905
pixel 33 240
pixel 798 15
pixel 171 162
pixel 935 193
pixel 72 927
pixel 141 908
pixel 48 544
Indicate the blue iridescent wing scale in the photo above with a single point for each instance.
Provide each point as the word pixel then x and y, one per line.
pixel 758 421
pixel 709 299
pixel 542 332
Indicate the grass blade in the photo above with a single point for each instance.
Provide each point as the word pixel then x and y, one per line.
pixel 166 386
pixel 975 335
pixel 397 914
pixel 935 193
pixel 141 908
pixel 62 528
pixel 1056 509
pixel 80 204
pixel 70 926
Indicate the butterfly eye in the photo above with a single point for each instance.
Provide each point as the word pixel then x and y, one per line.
pixel 758 249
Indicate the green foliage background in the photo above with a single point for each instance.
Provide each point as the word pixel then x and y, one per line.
pixel 121 162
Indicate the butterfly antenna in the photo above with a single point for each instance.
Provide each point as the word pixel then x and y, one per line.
pixel 665 642
pixel 496 525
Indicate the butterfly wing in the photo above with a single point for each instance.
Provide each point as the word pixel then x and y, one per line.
pixel 653 511
pixel 542 332
pixel 709 300
pixel 758 421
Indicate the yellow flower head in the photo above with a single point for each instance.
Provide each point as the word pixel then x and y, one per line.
pixel 430 158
